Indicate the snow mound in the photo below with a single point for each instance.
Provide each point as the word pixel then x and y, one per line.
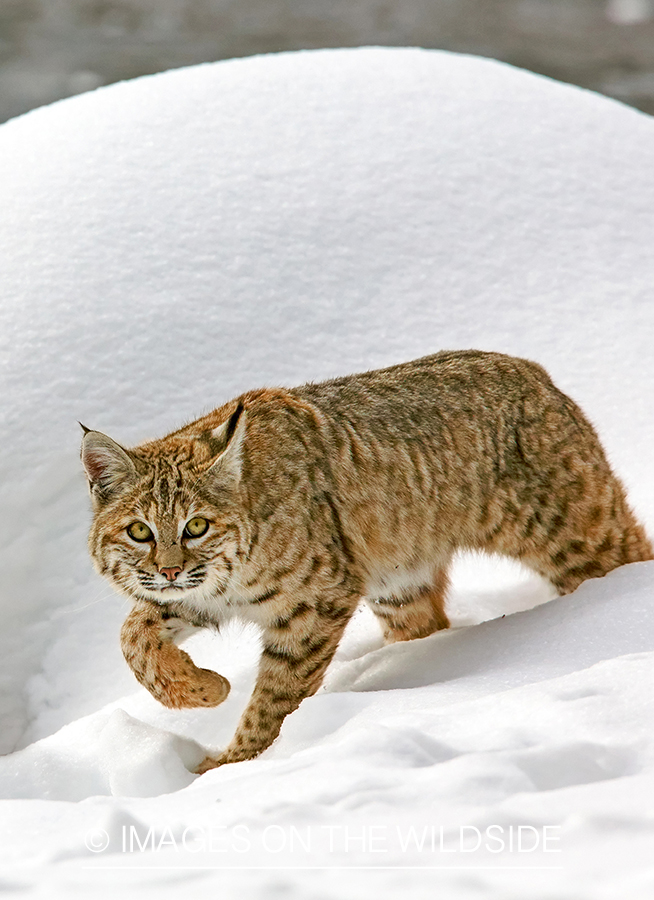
pixel 172 241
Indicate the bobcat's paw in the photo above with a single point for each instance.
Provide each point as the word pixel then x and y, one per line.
pixel 200 688
pixel 175 681
pixel 209 762
pixel 230 755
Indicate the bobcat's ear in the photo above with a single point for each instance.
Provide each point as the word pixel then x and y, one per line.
pixel 228 437
pixel 108 466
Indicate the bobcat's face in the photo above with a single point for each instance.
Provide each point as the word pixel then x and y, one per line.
pixel 166 554
pixel 167 527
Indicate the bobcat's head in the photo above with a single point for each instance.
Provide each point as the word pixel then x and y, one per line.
pixel 169 521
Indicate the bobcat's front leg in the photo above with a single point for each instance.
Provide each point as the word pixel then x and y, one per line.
pixel 148 641
pixel 293 663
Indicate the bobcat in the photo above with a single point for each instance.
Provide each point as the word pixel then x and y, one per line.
pixel 288 506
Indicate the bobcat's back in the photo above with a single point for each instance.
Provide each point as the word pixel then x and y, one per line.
pixel 478 451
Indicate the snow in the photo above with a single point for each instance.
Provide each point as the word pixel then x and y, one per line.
pixel 171 241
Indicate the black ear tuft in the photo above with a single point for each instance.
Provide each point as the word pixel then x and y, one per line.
pixel 221 437
pixel 233 422
pixel 225 442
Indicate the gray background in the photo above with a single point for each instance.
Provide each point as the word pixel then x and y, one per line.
pixel 51 49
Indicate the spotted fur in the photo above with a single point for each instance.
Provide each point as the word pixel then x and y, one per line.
pixel 363 486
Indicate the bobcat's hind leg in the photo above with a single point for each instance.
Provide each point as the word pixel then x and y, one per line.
pixel 148 640
pixel 578 560
pixel 413 612
pixel 579 552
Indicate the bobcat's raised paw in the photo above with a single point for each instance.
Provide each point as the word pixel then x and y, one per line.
pixel 197 688
pixel 172 677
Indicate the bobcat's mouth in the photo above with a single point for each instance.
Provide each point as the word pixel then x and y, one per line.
pixel 199 584
pixel 186 581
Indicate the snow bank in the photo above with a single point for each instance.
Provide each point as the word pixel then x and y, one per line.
pixel 515 776
pixel 169 242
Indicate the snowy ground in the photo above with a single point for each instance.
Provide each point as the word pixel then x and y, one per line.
pixel 171 241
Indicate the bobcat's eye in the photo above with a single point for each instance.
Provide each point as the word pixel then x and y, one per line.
pixel 139 531
pixel 196 527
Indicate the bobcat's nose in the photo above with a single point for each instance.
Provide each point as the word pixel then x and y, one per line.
pixel 171 572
